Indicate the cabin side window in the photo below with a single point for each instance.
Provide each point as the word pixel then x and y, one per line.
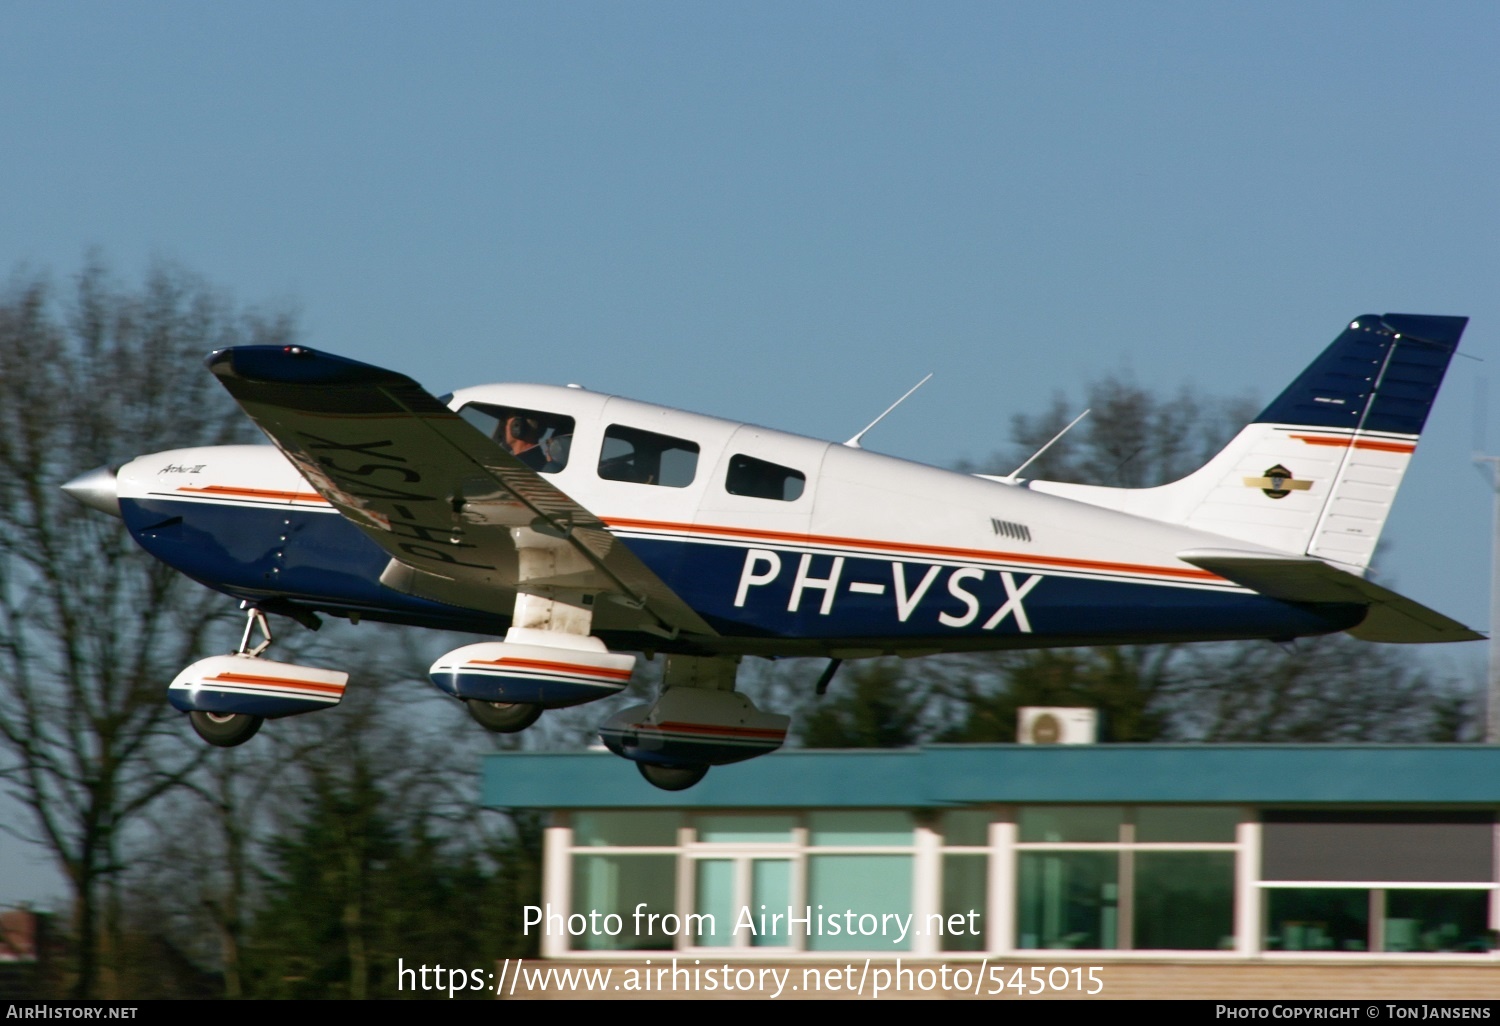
pixel 538 439
pixel 762 480
pixel 645 457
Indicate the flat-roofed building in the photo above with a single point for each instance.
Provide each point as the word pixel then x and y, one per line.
pixel 1224 855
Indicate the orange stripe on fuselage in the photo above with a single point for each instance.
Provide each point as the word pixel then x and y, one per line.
pixel 1374 444
pixel 1062 562
pixel 542 664
pixel 255 493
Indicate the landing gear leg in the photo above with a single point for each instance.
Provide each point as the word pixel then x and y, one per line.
pixel 255 619
pixel 226 730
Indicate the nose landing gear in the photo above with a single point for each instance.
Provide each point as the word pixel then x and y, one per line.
pixel 228 697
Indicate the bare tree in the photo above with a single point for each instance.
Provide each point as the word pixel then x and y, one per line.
pixel 1133 437
pixel 92 630
pixel 1128 684
pixel 877 704
pixel 1317 689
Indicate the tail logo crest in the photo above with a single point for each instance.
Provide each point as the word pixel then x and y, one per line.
pixel 1278 483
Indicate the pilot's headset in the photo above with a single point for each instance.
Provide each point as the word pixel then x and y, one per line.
pixel 525 429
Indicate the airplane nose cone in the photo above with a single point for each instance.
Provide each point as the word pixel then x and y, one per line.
pixel 96 490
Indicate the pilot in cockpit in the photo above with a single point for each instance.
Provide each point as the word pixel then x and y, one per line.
pixel 522 438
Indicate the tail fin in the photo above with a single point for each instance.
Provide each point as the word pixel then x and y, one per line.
pixel 1316 473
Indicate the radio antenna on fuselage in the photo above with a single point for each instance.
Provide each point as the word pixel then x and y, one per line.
pixel 853 443
pixel 1011 477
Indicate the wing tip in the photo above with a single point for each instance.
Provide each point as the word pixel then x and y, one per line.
pixel 296 365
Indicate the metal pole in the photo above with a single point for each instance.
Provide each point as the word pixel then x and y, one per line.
pixel 1492 699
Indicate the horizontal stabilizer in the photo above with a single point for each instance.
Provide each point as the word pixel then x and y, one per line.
pixel 1392 617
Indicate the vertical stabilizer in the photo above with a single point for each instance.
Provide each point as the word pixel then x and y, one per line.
pixel 1316 473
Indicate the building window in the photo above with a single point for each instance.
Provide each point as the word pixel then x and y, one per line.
pixel 606 886
pixel 860 829
pixel 1069 900
pixel 1377 919
pixel 747 899
pixel 1416 847
pixel 625 829
pixel 750 829
pixel 1184 901
pixel 1185 823
pixel 1411 881
pixel 1104 877
pixel 965 835
pixel 965 897
pixel 1437 920
pixel 1070 824
pixel 1318 919
pixel 758 880
pixel 852 895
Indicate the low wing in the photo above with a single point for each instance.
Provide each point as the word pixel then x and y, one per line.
pixel 428 487
pixel 1392 617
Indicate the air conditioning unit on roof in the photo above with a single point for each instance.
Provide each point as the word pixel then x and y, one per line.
pixel 1057 725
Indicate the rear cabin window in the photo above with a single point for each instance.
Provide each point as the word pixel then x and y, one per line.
pixel 535 437
pixel 761 480
pixel 644 457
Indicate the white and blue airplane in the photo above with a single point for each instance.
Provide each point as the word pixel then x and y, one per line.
pixel 581 527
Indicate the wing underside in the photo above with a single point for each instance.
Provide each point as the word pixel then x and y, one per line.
pixel 441 498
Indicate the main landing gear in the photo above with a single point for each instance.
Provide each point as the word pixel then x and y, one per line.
pixel 503 717
pixel 228 698
pixel 549 659
pixel 225 729
pixel 699 721
pixel 671 778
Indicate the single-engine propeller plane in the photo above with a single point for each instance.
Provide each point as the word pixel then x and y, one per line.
pixel 581 527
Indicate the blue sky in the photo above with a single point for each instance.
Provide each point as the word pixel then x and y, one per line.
pixel 789 213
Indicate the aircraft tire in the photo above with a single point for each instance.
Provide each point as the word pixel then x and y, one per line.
pixel 503 717
pixel 225 730
pixel 671 778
